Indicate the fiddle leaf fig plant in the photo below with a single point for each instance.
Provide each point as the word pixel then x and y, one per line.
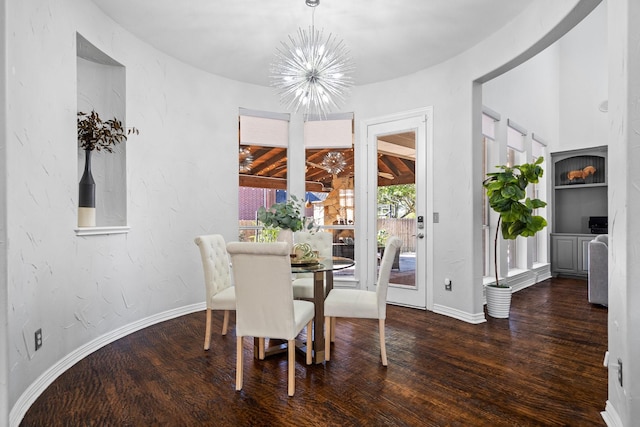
pixel 507 195
pixel 285 215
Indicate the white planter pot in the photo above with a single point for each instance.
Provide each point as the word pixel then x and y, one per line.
pixel 498 301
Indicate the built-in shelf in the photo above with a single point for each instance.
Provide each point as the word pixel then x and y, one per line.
pixel 579 193
pixel 573 187
pixel 100 231
pixel 573 169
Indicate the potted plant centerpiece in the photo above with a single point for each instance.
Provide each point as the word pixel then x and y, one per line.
pixel 508 197
pixel 98 135
pixel 286 217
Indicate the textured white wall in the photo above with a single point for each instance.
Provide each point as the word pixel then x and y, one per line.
pixel 79 288
pixel 557 93
pixel 583 84
pixel 624 210
pixel 4 300
pixel 529 94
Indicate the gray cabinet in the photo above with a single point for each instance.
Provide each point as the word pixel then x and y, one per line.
pixel 583 253
pixel 564 254
pixel 579 192
pixel 570 253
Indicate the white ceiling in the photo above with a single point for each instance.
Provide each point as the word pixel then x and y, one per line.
pixel 387 39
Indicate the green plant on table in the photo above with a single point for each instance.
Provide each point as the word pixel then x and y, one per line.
pixel 286 215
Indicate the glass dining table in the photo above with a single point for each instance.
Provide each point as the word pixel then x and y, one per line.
pixel 322 274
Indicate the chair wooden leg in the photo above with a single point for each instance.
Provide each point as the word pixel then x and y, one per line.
pixel 261 350
pixel 309 342
pixel 225 322
pixel 327 339
pixel 207 330
pixel 239 363
pixel 291 359
pixel 383 348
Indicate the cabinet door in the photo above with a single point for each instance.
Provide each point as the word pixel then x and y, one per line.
pixel 583 254
pixel 564 254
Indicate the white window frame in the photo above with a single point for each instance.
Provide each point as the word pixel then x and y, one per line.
pixel 516 154
pixel 489 124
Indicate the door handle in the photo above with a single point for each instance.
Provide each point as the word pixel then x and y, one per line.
pixel 420 235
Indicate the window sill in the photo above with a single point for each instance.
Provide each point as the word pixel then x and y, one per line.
pixel 97 231
pixel 516 272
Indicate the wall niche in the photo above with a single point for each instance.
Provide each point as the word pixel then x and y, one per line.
pixel 101 87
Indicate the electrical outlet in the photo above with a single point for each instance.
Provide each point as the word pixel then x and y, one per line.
pixel 38 337
pixel 620 371
pixel 447 284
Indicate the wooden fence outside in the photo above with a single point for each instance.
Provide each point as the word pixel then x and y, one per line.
pixel 404 228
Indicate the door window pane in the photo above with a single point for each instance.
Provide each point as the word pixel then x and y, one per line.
pixel 396 203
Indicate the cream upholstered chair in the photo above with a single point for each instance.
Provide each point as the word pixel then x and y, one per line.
pixel 322 242
pixel 360 303
pixel 217 279
pixel 264 301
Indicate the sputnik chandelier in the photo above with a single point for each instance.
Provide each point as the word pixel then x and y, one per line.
pixel 334 162
pixel 246 160
pixel 311 73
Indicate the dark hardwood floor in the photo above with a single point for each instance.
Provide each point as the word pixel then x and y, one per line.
pixel 541 367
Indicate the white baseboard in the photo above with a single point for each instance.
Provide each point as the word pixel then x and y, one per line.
pixel 36 388
pixel 518 280
pixel 460 315
pixel 610 416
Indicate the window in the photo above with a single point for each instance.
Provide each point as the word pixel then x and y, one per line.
pixel 538 149
pixel 262 168
pixel 515 155
pixel 329 180
pixel 488 148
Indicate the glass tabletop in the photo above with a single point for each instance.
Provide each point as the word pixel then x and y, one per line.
pixel 324 264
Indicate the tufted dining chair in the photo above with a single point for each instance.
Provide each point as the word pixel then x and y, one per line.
pixel 265 307
pixel 322 242
pixel 220 294
pixel 364 304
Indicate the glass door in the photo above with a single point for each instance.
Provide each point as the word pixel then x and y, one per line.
pixel 399 190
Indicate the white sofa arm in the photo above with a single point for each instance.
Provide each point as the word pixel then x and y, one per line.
pixel 598 272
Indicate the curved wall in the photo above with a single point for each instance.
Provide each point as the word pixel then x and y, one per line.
pixel 84 290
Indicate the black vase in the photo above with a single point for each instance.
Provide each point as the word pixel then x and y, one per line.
pixel 87 187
